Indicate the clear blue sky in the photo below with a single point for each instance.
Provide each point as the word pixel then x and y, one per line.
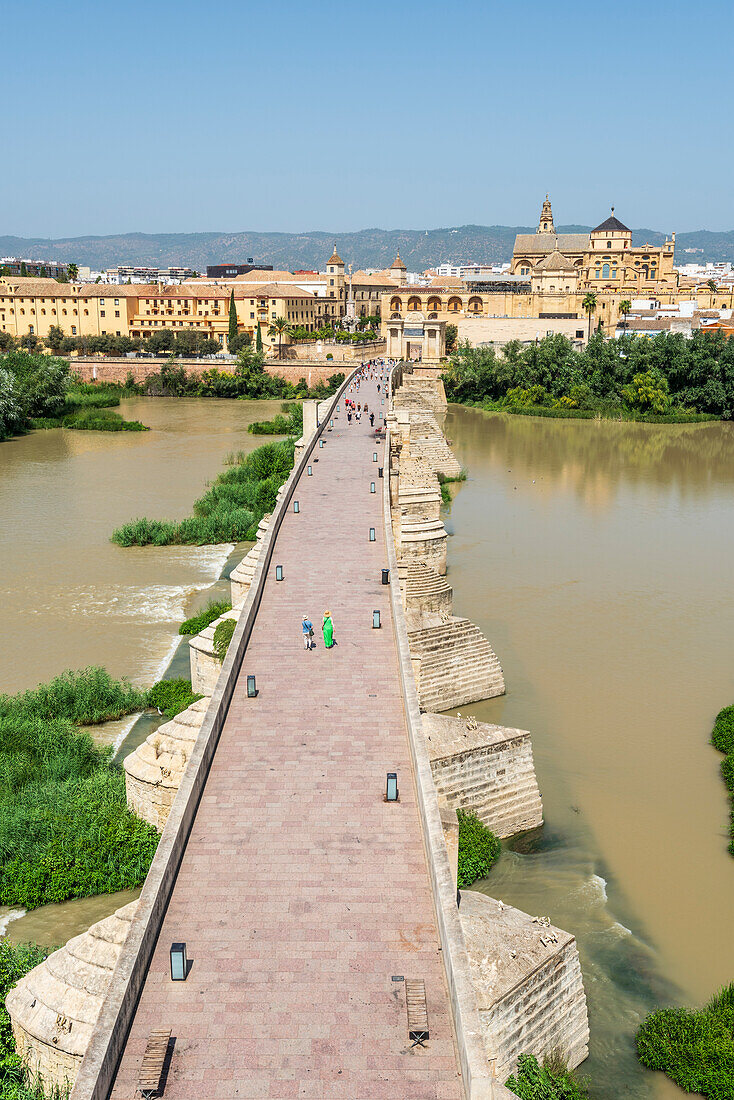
pixel 175 116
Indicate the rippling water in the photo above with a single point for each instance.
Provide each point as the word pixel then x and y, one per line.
pixel 597 559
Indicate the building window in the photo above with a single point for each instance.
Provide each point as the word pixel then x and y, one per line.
pixel 579 334
pixel 117 302
pixel 609 244
pixel 117 314
pixel 73 330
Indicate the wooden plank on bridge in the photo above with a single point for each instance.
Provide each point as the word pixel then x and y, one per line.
pixel 415 999
pixel 151 1069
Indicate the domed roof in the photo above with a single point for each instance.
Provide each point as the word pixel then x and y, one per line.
pixel 397 264
pixel 335 257
pixel 611 225
pixel 555 261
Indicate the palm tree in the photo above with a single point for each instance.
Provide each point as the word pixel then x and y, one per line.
pixel 711 284
pixel 625 308
pixel 72 271
pixel 279 327
pixel 589 306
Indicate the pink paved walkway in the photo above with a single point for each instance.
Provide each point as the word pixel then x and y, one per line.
pixel 301 892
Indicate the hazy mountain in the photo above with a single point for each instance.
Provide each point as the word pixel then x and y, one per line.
pixel 366 248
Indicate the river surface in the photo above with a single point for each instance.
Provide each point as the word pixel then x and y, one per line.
pixel 596 557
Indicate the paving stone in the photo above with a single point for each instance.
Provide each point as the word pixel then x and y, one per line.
pixel 301 892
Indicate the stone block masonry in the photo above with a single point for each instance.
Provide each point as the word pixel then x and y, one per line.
pixel 527 978
pixel 457 665
pixel 485 769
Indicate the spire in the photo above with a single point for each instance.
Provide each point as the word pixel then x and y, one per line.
pixel 336 258
pixel 398 264
pixel 545 225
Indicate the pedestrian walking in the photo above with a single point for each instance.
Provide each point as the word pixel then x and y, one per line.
pixel 372 420
pixel 307 630
pixel 328 629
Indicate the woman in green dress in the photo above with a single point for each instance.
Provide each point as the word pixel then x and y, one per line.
pixel 328 629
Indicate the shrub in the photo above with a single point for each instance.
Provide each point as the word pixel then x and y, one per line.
pixel 200 622
pixel 478 849
pixel 551 1082
pixel 722 738
pixel 172 696
pixel 14 963
pixel 694 1049
pixel 223 636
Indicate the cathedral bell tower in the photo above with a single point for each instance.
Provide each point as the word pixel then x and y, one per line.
pixel 546 218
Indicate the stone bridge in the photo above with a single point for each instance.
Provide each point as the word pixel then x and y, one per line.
pixel 304 898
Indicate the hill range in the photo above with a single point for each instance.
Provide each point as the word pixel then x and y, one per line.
pixel 373 248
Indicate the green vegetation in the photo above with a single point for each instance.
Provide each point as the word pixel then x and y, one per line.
pixel 694 1049
pixel 669 379
pixel 231 508
pixel 223 636
pixel 478 849
pixel 101 420
pixel 172 696
pixel 200 622
pixel 85 698
pixel 31 386
pixel 551 1082
pixel 722 738
pixel 289 424
pixel 14 1080
pixel 65 830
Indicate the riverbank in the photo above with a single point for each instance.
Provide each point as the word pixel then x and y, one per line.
pixel 566 413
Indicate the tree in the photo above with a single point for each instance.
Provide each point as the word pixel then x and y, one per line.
pixel 23 269
pixel 259 340
pixel 711 284
pixel 279 327
pixel 625 308
pixel 55 338
pixel 232 333
pixel 73 272
pixel 589 306
pixel 44 273
pixel 452 333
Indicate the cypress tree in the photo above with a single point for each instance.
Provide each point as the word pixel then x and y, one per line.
pixel 23 269
pixel 232 334
pixel 259 339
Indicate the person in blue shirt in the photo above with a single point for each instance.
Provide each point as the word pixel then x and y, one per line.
pixel 307 628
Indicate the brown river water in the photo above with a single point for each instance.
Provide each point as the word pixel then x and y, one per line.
pixel 595 556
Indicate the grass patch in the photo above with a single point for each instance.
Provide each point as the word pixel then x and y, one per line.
pixel 626 415
pixel 101 420
pixel 722 738
pixel 222 637
pixel 552 1081
pixel 231 508
pixel 14 1080
pixel 289 424
pixel 478 849
pixel 172 696
pixel 694 1049
pixel 85 698
pixel 205 618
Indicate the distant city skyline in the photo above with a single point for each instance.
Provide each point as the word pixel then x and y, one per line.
pixel 285 117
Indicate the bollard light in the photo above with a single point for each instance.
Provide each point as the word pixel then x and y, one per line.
pixel 381 473
pixel 331 423
pixel 251 687
pixel 391 787
pixel 296 506
pixel 383 401
pixel 372 486
pixel 374 456
pixel 309 471
pixel 179 962
pixel 375 620
pixel 385 576
pixel 372 534
pixel 321 443
pixel 279 572
pixel 337 408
